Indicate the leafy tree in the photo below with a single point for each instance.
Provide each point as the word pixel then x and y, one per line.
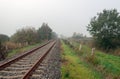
pixel 105 28
pixel 3 38
pixel 25 35
pixel 45 32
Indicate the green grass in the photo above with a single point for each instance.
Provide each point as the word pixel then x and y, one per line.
pixel 110 63
pixel 107 64
pixel 74 68
pixel 20 50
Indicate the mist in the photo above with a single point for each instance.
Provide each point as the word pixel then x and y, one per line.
pixel 63 16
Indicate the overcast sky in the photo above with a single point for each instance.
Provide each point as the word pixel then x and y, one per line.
pixel 63 16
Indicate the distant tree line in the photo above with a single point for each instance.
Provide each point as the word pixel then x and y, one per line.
pixel 77 35
pixel 30 36
pixel 25 36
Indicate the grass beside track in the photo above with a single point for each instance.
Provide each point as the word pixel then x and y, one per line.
pixel 108 65
pixel 73 67
pixel 20 50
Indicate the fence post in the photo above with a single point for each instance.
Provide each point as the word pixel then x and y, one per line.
pixel 80 47
pixel 93 51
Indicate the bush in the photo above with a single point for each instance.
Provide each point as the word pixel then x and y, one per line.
pixel 117 51
pixel 11 45
pixel 2 52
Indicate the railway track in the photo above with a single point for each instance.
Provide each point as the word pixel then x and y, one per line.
pixel 28 65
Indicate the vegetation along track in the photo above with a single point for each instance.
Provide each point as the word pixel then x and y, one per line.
pixel 22 67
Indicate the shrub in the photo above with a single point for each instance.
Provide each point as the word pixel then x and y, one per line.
pixel 11 45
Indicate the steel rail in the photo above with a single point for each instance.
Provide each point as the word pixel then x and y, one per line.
pixel 41 58
pixel 2 66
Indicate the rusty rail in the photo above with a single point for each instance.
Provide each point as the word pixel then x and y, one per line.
pixel 2 66
pixel 28 74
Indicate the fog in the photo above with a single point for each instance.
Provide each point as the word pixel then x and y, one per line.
pixel 63 16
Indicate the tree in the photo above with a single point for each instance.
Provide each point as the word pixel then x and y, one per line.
pixel 25 35
pixel 105 28
pixel 3 38
pixel 77 35
pixel 45 32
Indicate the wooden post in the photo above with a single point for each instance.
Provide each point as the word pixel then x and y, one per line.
pixel 70 42
pixel 93 50
pixel 80 47
pixel 6 47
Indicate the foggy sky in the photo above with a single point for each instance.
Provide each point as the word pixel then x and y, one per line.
pixel 63 16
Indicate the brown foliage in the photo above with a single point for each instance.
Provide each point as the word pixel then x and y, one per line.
pixel 12 45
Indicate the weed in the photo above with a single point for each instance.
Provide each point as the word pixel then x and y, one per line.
pixel 92 59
